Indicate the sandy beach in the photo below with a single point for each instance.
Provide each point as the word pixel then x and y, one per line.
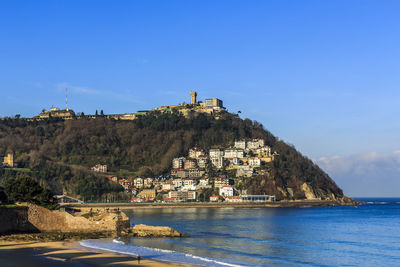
pixel 69 253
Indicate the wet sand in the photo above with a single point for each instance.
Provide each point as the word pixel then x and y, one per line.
pixel 70 253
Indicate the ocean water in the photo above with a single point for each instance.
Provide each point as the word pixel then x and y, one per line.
pixel 367 235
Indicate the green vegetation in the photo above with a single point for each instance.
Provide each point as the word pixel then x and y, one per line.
pixel 26 189
pixel 59 153
pixel 3 196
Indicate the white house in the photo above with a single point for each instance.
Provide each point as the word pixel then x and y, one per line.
pixel 178 163
pixel 178 182
pixel 204 182
pixel 148 182
pixel 138 182
pixel 240 144
pixel 168 186
pixel 226 191
pixel 231 153
pixel 255 143
pixel 196 152
pixel 189 182
pixel 216 153
pixel 254 162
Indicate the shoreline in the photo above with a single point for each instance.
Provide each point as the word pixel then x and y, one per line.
pixel 278 204
pixel 68 253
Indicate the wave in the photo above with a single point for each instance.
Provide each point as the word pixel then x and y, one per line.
pixel 119 246
pixel 118 241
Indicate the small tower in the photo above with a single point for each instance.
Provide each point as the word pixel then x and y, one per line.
pixel 9 160
pixel 66 99
pixel 193 96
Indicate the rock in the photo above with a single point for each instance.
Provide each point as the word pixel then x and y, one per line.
pixel 142 230
pixel 308 192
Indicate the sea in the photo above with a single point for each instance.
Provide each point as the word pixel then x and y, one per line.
pixel 363 235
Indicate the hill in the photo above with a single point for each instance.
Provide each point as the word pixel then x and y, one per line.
pixel 58 153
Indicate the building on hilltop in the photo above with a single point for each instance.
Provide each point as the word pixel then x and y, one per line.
pixel 214 103
pixel 8 160
pixel 193 97
pixel 56 113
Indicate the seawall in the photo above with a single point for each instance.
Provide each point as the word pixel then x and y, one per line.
pixel 33 218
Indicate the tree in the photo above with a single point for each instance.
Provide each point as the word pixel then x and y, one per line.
pixel 101 113
pixel 97 113
pixel 3 196
pixel 26 189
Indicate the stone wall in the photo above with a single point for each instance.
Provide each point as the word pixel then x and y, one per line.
pixel 15 220
pixel 34 218
pixel 57 221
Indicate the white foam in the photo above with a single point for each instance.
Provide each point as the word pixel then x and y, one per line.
pixel 170 255
pixel 118 241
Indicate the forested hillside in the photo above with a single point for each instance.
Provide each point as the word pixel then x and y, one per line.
pixel 58 153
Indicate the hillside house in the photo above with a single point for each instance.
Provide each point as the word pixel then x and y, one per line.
pixel 226 191
pixel 99 168
pixel 244 171
pixel 196 152
pixel 240 144
pixel 220 182
pixel 178 163
pixel 147 194
pixel 190 164
pixel 148 182
pixel 254 162
pixel 255 143
pixel 125 183
pixel 138 182
pixel 178 182
pixel 181 173
pixel 231 153
pixel 202 161
pixel 195 173
pixel 167 186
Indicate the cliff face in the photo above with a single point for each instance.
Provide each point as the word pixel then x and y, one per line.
pixel 59 153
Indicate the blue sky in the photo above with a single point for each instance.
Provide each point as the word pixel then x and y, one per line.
pixel 322 75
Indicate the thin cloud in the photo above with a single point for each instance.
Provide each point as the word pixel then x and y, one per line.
pixel 78 89
pixel 360 163
pixel 368 174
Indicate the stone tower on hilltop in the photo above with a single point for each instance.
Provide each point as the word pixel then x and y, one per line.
pixel 193 97
pixel 9 160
